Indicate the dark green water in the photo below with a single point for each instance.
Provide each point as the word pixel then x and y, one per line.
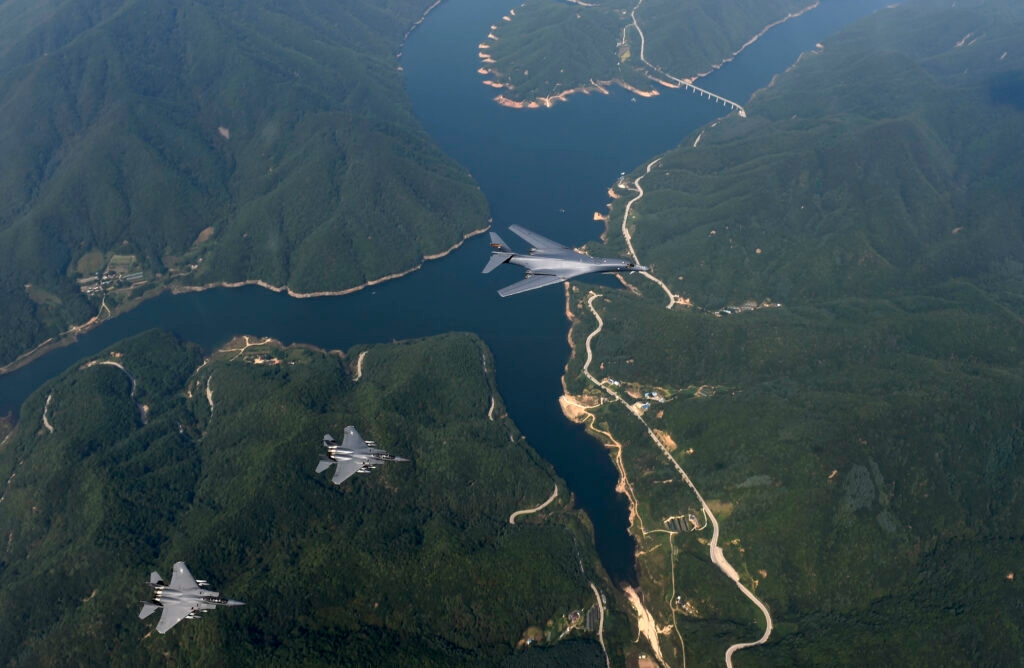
pixel 548 170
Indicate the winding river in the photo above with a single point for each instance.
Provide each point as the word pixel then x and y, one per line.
pixel 548 170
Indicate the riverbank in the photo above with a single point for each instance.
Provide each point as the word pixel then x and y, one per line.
pixel 649 71
pixel 71 335
pixel 584 409
pixel 549 101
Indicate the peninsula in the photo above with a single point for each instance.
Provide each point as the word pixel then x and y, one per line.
pixel 276 170
pixel 545 51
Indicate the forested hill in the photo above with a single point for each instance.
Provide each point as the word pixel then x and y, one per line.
pixel 548 47
pixel 413 564
pixel 210 141
pixel 891 159
pixel 864 441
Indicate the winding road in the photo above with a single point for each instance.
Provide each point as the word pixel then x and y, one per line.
pixel 528 511
pixel 717 556
pixel 600 625
pixel 46 409
pixel 359 366
pixel 143 410
pixel 673 299
pixel 687 84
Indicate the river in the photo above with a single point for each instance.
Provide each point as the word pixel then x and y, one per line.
pixel 545 169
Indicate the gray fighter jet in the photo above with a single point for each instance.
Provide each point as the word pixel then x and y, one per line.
pixel 183 598
pixel 354 455
pixel 549 262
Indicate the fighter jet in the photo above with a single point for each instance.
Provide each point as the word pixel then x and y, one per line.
pixel 184 598
pixel 549 262
pixel 354 455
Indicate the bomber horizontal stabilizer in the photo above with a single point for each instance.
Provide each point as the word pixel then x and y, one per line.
pixel 497 259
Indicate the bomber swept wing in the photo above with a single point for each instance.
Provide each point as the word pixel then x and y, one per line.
pixel 532 282
pixel 539 243
pixel 548 262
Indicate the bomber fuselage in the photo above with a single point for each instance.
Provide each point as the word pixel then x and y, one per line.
pixel 578 263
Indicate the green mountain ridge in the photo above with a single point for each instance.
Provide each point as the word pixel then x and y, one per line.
pixel 854 183
pixel 211 142
pixel 862 442
pixel 550 47
pixel 416 563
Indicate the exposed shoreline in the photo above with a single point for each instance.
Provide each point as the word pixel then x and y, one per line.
pixel 549 101
pixel 749 42
pixel 71 335
pixel 417 23
pixel 602 86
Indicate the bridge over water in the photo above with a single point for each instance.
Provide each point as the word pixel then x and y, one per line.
pixel 687 84
pixel 713 96
pixel 703 92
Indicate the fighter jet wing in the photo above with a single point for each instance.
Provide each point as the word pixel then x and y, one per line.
pixel 353 441
pixel 172 614
pixel 182 579
pixel 537 241
pixel 346 469
pixel 530 283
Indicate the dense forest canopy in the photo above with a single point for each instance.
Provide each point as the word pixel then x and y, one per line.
pixel 165 458
pixel 209 141
pixel 848 386
pixel 550 47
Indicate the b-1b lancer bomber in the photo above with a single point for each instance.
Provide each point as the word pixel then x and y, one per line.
pixel 183 598
pixel 354 455
pixel 549 262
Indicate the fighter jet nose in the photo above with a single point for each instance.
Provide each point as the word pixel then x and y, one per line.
pixel 233 603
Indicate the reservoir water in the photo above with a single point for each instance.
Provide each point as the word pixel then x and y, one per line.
pixel 546 169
